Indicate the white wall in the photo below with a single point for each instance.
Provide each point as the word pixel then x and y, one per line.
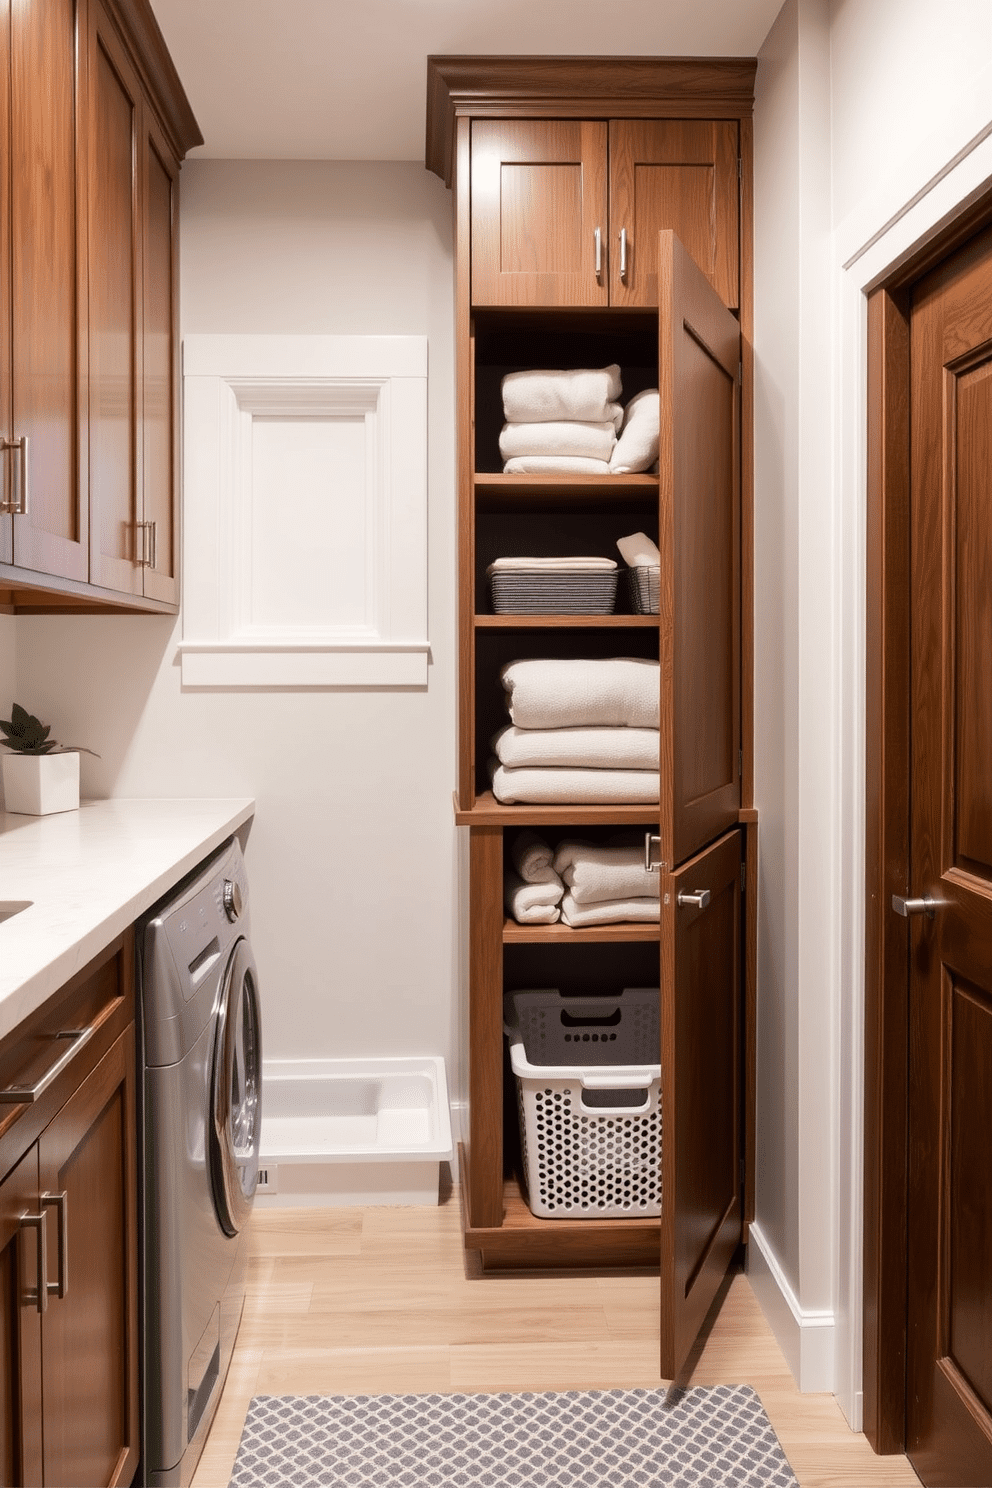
pixel 352 858
pixel 872 118
pixel 8 632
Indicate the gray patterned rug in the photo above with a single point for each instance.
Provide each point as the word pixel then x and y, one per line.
pixel 707 1438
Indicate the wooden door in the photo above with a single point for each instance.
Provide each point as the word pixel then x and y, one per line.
pixel 159 366
pixel 48 302
pixel 115 275
pixel 701 1094
pixel 20 1325
pixel 699 650
pixel 949 1340
pixel 699 537
pixel 673 173
pixel 538 204
pixel 88 1174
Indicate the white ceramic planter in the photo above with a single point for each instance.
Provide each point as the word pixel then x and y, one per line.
pixel 39 784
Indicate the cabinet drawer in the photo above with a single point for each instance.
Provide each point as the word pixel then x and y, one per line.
pixel 57 1047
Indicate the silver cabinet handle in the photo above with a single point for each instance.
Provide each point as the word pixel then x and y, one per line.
pixel 149 544
pixel 696 899
pixel 38 1223
pixel 60 1203
pixel 650 843
pixel 599 252
pixel 18 508
pixel 623 254
pixel 18 1095
pixel 907 907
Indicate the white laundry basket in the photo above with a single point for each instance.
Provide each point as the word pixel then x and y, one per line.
pixel 590 1132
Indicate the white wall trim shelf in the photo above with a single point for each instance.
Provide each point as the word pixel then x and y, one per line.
pixel 305 511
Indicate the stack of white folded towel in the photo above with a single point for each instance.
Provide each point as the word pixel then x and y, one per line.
pixel 568 423
pixel 532 889
pixel 581 732
pixel 605 884
pixel 579 882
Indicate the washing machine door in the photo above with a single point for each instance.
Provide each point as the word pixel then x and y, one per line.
pixel 236 1093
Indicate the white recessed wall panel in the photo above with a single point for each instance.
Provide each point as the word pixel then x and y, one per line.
pixel 305 550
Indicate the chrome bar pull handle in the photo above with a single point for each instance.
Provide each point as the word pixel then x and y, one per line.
pixel 694 899
pixel 25 1095
pixel 152 543
pixel 21 509
pixel 623 255
pixel 599 252
pixel 650 843
pixel 60 1203
pixel 38 1223
pixel 907 907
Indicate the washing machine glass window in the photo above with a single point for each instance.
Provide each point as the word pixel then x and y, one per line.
pixel 235 1130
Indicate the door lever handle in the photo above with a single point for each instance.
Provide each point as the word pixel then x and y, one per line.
pixel 907 907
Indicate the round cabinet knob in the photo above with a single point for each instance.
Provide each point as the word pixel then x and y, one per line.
pixel 233 902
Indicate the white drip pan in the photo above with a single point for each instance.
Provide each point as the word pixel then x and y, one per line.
pixel 353 1131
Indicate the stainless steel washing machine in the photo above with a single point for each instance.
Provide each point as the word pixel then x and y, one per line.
pixel 201 1114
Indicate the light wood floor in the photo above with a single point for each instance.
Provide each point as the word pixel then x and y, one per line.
pixel 377 1301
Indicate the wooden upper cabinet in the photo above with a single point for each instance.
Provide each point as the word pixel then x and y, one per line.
pixel 567 211
pixel 97 124
pixel 538 203
pixel 680 174
pixel 43 264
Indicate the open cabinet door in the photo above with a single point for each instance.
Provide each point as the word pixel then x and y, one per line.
pixel 700 845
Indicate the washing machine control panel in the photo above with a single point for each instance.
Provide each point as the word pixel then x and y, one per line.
pixel 233 900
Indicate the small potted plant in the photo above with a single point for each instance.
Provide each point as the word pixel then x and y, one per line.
pixel 39 774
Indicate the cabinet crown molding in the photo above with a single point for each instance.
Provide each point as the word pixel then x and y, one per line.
pixel 579 87
pixel 140 32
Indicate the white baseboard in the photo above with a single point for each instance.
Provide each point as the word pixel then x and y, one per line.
pixel 805 1335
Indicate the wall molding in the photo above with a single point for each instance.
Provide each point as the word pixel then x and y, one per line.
pixel 806 1336
pixel 305 511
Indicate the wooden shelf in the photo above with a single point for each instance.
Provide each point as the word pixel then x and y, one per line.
pixel 498 492
pixel 566 622
pixel 524 1241
pixel 516 934
pixel 488 812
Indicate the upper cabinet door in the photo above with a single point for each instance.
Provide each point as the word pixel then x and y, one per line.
pixel 701 1095
pixel 46 249
pixel 115 276
pixel 538 210
pixel 699 538
pixel 160 367
pixel 679 174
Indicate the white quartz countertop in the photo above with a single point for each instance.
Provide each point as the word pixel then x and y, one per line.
pixel 89 874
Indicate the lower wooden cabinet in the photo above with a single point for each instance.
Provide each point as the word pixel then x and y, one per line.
pixel 69 1405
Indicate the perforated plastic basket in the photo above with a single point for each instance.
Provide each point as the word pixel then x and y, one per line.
pixel 591 1136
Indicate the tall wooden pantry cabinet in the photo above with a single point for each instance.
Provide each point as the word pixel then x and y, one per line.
pixel 603 215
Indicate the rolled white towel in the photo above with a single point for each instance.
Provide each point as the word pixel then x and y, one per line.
pixel 551 565
pixel 540 397
pixel 591 441
pixel 555 465
pixel 638 551
pixel 611 912
pixel 574 787
pixel 637 447
pixel 584 748
pixel 532 858
pixel 594 874
pixel 531 904
pixel 559 692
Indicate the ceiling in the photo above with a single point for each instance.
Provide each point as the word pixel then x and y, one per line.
pixel 345 79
